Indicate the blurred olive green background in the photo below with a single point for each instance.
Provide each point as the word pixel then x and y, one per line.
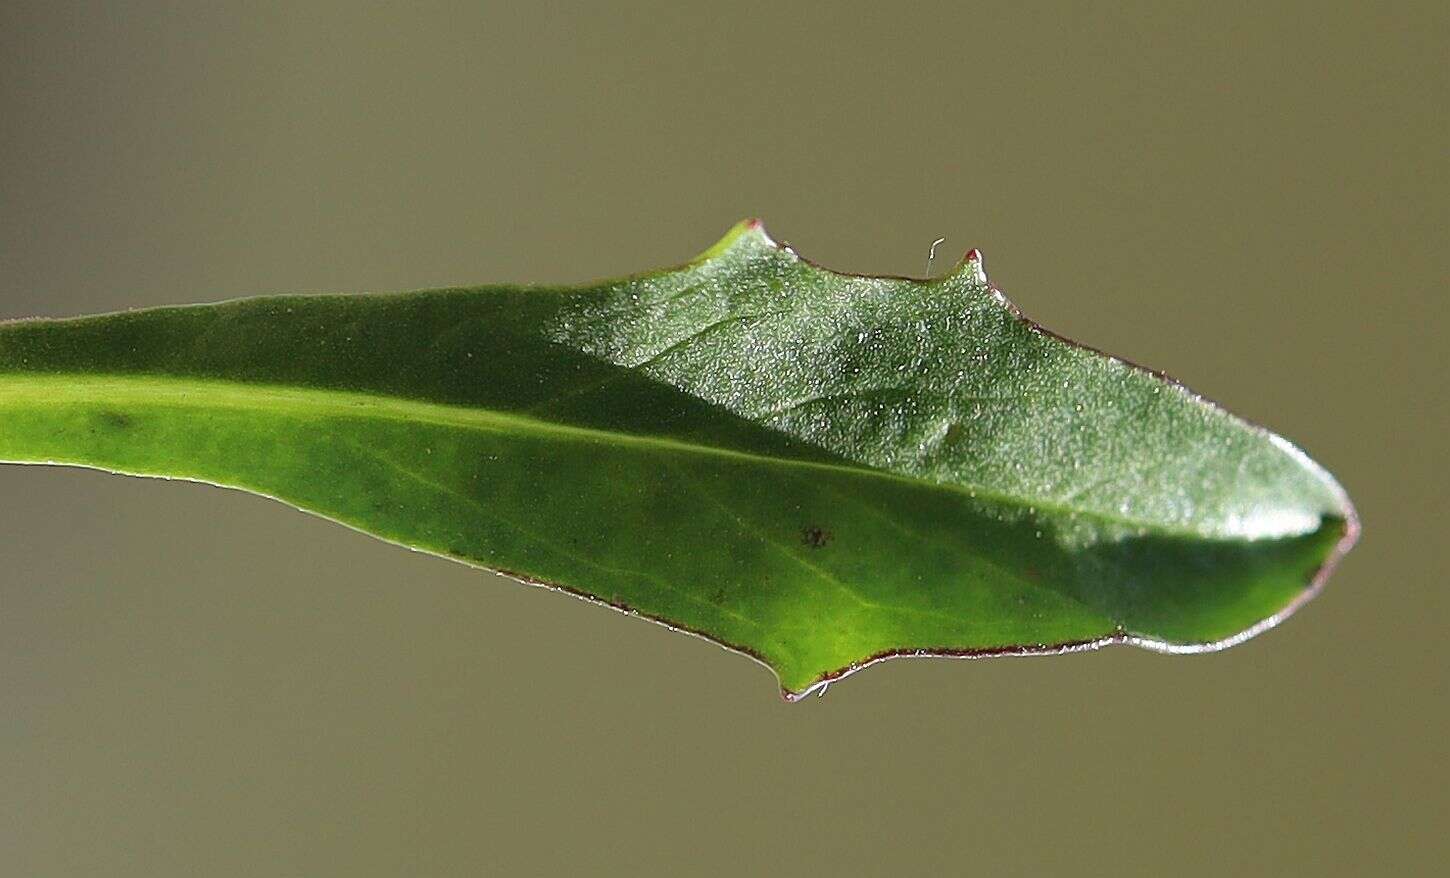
pixel 195 681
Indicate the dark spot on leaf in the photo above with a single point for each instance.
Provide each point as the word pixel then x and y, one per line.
pixel 115 420
pixel 815 536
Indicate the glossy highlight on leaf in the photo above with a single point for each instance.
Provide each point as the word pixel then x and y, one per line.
pixel 819 470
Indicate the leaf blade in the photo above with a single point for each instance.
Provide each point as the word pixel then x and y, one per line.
pixel 654 443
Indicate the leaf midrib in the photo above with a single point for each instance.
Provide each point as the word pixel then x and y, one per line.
pixel 115 390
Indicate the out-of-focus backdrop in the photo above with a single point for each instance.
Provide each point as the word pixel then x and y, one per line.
pixel 1252 198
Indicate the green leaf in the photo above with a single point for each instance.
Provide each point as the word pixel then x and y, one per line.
pixel 820 470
